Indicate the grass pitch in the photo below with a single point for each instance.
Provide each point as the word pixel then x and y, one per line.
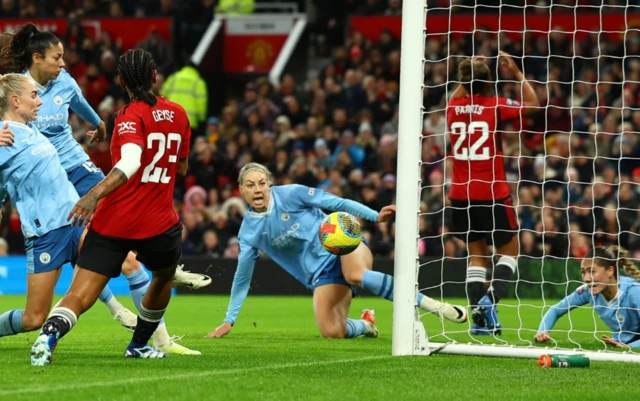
pixel 276 353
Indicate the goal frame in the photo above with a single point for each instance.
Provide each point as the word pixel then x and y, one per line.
pixel 409 336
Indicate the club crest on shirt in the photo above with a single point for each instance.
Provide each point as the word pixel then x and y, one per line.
pixel 285 216
pixel 45 258
pixel 312 191
pixel 620 318
pixel 57 100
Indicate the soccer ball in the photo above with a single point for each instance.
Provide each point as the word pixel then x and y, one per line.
pixel 340 233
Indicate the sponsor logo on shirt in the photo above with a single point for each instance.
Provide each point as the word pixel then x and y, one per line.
pixel 127 127
pixel 51 120
pixel 286 239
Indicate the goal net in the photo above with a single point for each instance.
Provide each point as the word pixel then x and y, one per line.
pixel 572 167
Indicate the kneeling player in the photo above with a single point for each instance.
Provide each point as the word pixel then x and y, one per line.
pixel 480 197
pixel 283 223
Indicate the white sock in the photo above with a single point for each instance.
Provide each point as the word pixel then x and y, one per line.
pixel 430 304
pixel 114 306
pixel 161 337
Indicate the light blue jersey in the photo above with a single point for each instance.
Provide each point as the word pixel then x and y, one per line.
pixel 621 314
pixel 288 233
pixel 30 172
pixel 58 96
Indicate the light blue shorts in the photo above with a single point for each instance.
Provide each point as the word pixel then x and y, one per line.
pixel 52 250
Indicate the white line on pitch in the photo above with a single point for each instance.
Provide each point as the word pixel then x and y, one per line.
pixel 189 375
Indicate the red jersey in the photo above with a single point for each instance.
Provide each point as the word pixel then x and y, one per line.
pixel 478 166
pixel 143 206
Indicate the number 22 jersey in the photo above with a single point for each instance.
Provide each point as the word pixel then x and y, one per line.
pixel 143 206
pixel 478 166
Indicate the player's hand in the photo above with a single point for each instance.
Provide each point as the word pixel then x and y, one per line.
pixel 6 136
pixel 610 341
pixel 386 213
pixel 542 337
pixel 507 62
pixel 221 331
pixel 83 210
pixel 99 134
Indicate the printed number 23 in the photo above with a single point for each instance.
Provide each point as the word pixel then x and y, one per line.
pixel 158 174
pixel 461 150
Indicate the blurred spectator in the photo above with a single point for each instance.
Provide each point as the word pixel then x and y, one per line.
pixel 189 90
pixel 236 7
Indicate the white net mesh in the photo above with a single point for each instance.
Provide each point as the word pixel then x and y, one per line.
pixel 572 167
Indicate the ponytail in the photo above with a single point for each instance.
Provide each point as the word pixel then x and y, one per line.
pixel 624 263
pixel 17 56
pixel 614 256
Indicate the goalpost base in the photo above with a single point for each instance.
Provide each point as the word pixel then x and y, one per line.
pixel 513 351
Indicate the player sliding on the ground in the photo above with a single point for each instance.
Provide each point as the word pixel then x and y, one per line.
pixel 39 55
pixel 149 150
pixel 615 299
pixel 482 210
pixel 283 223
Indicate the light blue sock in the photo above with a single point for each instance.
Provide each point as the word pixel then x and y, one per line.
pixel 381 284
pixel 378 283
pixel 355 328
pixel 106 294
pixel 138 284
pixel 11 322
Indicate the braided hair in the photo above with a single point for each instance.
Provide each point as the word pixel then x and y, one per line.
pixel 136 69
pixel 17 56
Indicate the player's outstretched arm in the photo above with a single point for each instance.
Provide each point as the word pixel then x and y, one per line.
pixel 577 298
pixel 128 165
pixel 530 100
pixel 239 289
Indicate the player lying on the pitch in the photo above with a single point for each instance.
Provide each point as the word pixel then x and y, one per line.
pixel 615 299
pixel 31 173
pixel 283 223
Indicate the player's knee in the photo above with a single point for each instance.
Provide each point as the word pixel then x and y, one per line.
pixel 131 264
pixel 33 320
pixel 354 276
pixel 333 331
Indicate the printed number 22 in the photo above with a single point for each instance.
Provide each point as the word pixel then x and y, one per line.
pixel 158 174
pixel 460 149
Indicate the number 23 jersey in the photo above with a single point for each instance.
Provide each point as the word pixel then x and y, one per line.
pixel 478 166
pixel 143 206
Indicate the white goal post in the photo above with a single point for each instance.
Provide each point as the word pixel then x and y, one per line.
pixel 409 335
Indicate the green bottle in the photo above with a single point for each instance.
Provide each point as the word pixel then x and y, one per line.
pixel 563 361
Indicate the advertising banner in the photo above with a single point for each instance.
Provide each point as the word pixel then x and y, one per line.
pixel 129 30
pixel 538 25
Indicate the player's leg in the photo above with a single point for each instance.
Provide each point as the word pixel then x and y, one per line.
pixel 100 260
pixel 331 301
pixel 152 309
pixel 154 252
pixel 40 288
pixel 505 239
pixel 357 270
pixel 83 178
